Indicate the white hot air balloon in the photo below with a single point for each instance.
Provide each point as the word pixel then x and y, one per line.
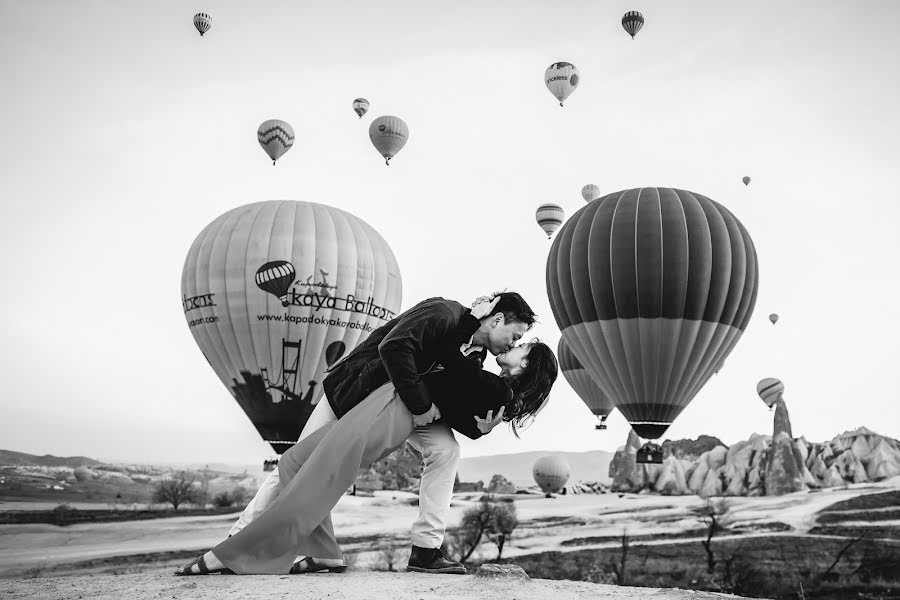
pixel 770 390
pixel 549 216
pixel 561 79
pixel 551 473
pixel 389 135
pixel 276 137
pixel 275 292
pixel 590 192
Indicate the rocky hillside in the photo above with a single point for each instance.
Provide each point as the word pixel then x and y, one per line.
pixel 760 466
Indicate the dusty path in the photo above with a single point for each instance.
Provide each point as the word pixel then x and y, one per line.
pixel 361 585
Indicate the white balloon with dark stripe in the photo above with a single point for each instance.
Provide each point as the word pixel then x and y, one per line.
pixel 276 137
pixel 770 390
pixel 360 107
pixel 549 216
pixel 275 292
pixel 652 288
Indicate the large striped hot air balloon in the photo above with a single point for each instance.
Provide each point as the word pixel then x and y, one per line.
pixel 388 135
pixel 202 22
pixel 652 288
pixel 274 292
pixel 590 192
pixel 551 473
pixel 549 216
pixel 276 137
pixel 360 107
pixel 587 389
pixel 770 390
pixel 561 79
pixel 632 21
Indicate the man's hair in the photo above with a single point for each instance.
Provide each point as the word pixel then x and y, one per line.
pixel 515 309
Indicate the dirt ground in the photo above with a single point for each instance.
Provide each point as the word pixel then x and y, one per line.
pixel 360 585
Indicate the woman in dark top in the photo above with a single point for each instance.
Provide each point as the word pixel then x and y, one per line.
pixel 318 470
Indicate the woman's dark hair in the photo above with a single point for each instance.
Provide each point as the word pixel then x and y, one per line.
pixel 531 386
pixel 515 309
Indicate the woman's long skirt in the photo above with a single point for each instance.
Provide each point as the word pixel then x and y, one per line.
pixel 314 474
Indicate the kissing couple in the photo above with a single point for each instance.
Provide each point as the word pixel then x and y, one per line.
pixel 415 379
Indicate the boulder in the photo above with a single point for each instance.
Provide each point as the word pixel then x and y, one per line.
pixel 670 481
pixel 783 473
pixel 712 485
pixel 883 461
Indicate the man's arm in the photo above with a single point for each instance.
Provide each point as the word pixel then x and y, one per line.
pixel 417 333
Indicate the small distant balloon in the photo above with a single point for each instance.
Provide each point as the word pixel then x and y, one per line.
pixel 561 79
pixel 770 390
pixel 590 192
pixel 549 216
pixel 202 22
pixel 774 318
pixel 746 180
pixel 551 473
pixel 389 135
pixel 361 107
pixel 276 137
pixel 632 22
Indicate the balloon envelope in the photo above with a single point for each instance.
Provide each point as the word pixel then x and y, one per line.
pixel 388 135
pixel 774 318
pixel 746 180
pixel 202 22
pixel 632 22
pixel 551 473
pixel 274 292
pixel 549 216
pixel 561 79
pixel 361 107
pixel 590 192
pixel 587 389
pixel 770 390
pixel 652 288
pixel 276 137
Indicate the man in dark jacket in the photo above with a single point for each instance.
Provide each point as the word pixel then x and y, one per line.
pixel 402 351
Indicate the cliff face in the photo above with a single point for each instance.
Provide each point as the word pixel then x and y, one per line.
pixel 762 465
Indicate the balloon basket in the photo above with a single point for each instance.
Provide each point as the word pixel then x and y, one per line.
pixel 600 427
pixel 269 465
pixel 650 454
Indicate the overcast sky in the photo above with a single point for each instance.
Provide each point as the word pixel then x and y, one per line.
pixel 123 133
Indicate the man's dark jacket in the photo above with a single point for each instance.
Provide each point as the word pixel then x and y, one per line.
pixel 401 351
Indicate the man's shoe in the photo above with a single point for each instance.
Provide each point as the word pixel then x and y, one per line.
pixel 431 560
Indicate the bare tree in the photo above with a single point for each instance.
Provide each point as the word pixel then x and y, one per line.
pixel 177 490
pixel 621 568
pixel 710 516
pixel 501 523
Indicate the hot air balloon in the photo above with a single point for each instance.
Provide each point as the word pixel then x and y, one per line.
pixel 551 472
pixel 652 288
pixel 770 390
pixel 274 292
pixel 388 135
pixel 590 192
pixel 561 79
pixel 202 22
pixel 276 137
pixel 361 106
pixel 774 318
pixel 586 388
pixel 632 21
pixel 549 216
pixel 746 180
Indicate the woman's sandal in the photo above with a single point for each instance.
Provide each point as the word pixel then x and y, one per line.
pixel 202 569
pixel 308 564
